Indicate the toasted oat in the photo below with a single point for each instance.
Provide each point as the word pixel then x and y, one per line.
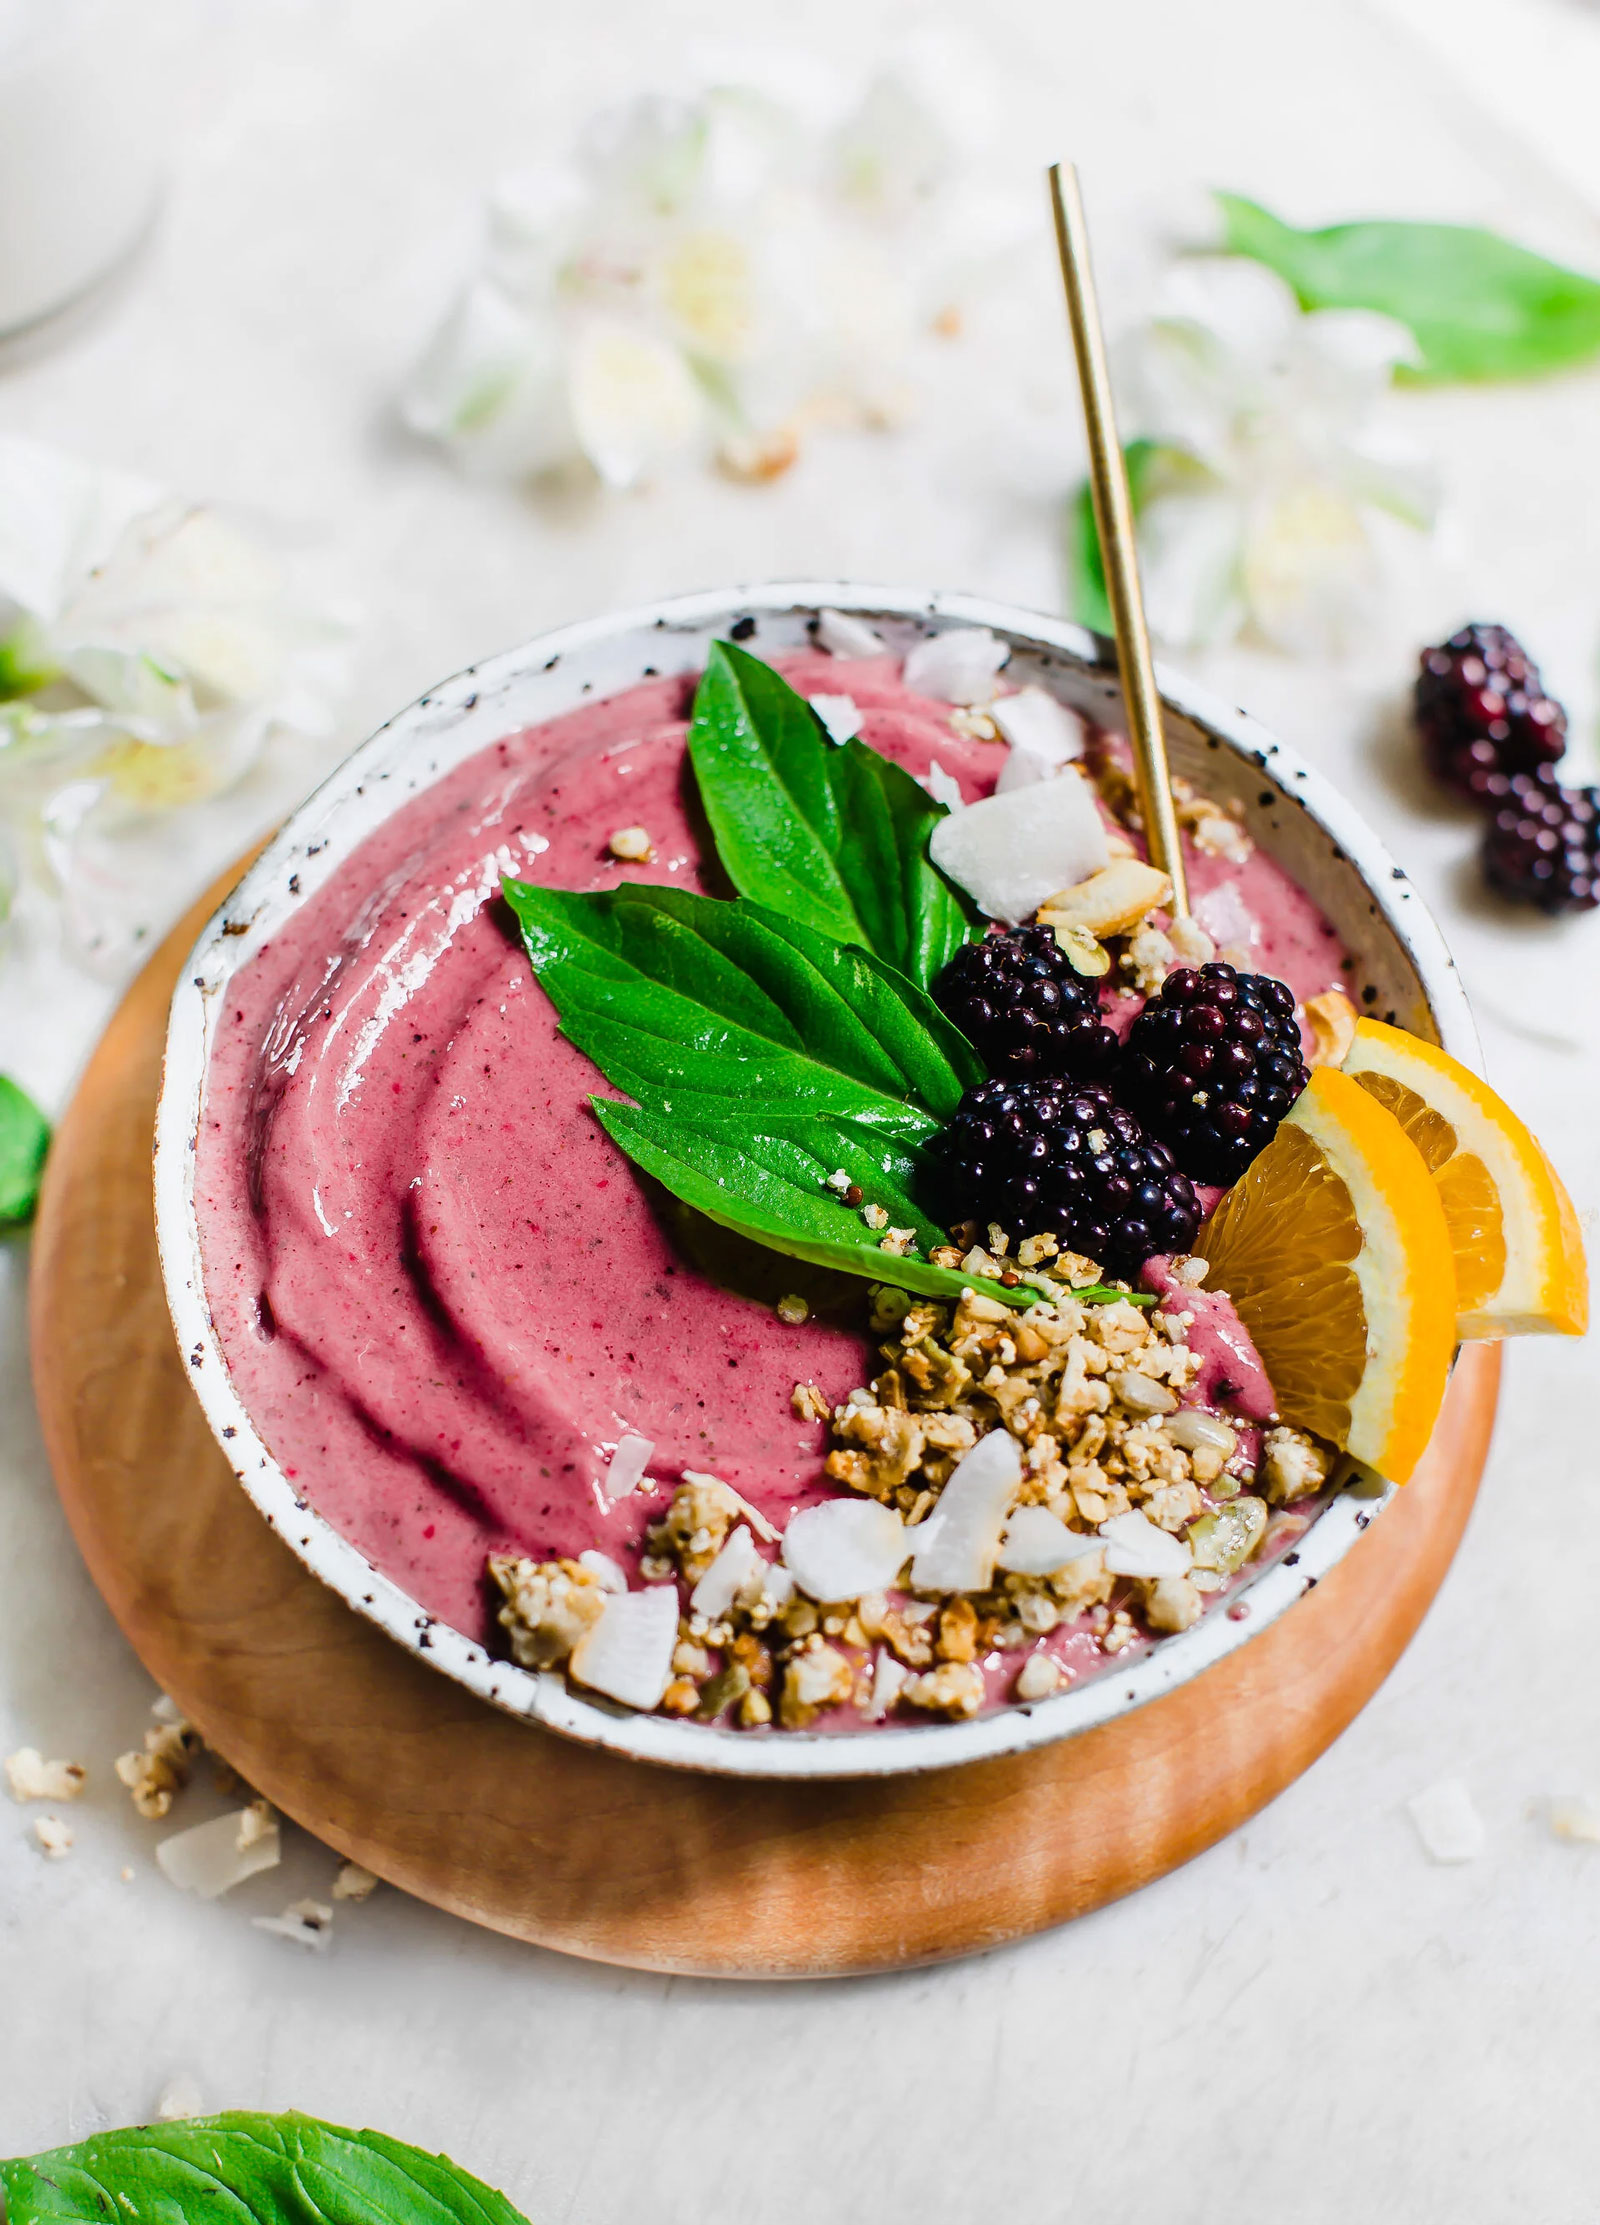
pixel 973 726
pixel 155 1777
pixel 954 1688
pixel 818 1676
pixel 31 1777
pixel 807 1403
pixel 1293 1465
pixel 549 1605
pixel 1109 902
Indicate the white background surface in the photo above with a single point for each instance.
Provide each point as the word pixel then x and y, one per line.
pixel 1312 2022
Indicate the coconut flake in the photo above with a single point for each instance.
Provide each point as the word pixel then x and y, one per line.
pixel 603 1568
pixel 845 1547
pixel 212 1858
pixel 737 1565
pixel 180 2097
pixel 1223 914
pixel 972 1510
pixel 1011 852
pixel 888 1680
pixel 353 1881
pixel 958 666
pixel 943 787
pixel 844 636
pixel 840 714
pixel 628 1464
pixel 1038 1542
pixel 307 1923
pixel 768 1531
pixel 1449 1826
pixel 627 1654
pixel 1033 721
pixel 1135 1547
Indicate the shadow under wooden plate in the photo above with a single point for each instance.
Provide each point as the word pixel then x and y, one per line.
pixel 554 1843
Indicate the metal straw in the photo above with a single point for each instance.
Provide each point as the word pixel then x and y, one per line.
pixel 1113 517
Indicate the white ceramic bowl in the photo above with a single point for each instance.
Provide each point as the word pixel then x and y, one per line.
pixel 1405 973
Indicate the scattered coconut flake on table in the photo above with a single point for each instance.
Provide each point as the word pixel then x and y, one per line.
pixel 31 1777
pixel 603 1568
pixel 738 1564
pixel 627 1654
pixel 1038 1542
pixel 1136 1547
pixel 628 1464
pixel 960 1553
pixel 353 1882
pixel 1574 1815
pixel 943 787
pixel 844 636
pixel 212 1858
pixel 845 1547
pixel 1449 1826
pixel 308 1923
pixel 1011 852
pixel 957 666
pixel 840 714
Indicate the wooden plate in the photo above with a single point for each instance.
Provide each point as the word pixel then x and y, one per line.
pixel 573 1848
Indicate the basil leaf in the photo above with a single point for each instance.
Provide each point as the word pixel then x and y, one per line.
pixel 24 1141
pixel 1479 306
pixel 834 837
pixel 242 2167
pixel 1155 468
pixel 681 998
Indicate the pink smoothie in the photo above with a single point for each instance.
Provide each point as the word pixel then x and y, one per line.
pixel 443 1294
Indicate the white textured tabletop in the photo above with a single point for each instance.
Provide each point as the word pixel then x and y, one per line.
pixel 1313 2021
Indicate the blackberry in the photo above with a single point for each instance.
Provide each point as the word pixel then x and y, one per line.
pixel 1211 1066
pixel 1054 1158
pixel 1481 710
pixel 1022 1007
pixel 1543 844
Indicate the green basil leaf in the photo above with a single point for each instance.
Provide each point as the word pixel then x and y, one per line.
pixel 242 2168
pixel 24 1141
pixel 680 998
pixel 1479 306
pixel 834 837
pixel 1155 468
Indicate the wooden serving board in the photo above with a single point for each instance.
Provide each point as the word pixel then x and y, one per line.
pixel 551 1842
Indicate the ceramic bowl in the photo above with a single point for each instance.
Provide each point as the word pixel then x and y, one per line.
pixel 1404 973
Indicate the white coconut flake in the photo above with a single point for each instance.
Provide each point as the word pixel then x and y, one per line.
pixel 840 714
pixel 212 1858
pixel 959 666
pixel 972 1510
pixel 737 1565
pixel 628 1464
pixel 180 2097
pixel 768 1531
pixel 1223 914
pixel 627 1654
pixel 1033 720
pixel 1010 852
pixel 844 1548
pixel 307 1923
pixel 1135 1547
pixel 1449 1826
pixel 1574 1815
pixel 844 636
pixel 775 1590
pixel 1038 1542
pixel 888 1679
pixel 943 787
pixel 603 1568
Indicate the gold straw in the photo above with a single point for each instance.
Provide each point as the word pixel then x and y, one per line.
pixel 1113 516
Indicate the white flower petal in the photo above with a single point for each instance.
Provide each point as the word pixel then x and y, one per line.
pixel 59 518
pixel 958 666
pixel 635 405
pixel 1245 306
pixel 1359 341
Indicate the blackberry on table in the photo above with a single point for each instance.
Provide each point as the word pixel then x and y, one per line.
pixel 1481 710
pixel 1212 1064
pixel 1055 1158
pixel 1022 1007
pixel 1543 844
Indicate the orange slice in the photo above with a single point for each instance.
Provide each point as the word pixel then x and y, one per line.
pixel 1520 1268
pixel 1334 1248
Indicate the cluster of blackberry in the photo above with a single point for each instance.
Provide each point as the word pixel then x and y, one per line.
pixel 1489 730
pixel 1108 1165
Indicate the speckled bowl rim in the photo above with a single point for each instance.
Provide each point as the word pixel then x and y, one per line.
pixel 424 742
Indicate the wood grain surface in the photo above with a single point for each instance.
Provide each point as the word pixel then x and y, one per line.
pixel 548 1841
